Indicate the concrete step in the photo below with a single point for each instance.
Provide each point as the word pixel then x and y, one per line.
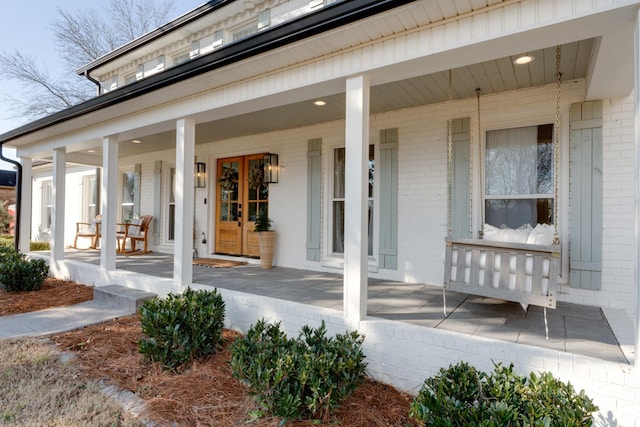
pixel 121 296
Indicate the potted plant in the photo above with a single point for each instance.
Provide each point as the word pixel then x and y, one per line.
pixel 266 239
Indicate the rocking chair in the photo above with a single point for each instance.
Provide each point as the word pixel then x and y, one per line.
pixel 135 232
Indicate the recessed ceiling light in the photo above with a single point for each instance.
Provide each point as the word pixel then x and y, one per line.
pixel 524 59
pixel 91 151
pixel 136 141
pixel 320 103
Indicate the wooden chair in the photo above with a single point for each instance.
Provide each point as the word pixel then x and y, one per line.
pixel 88 230
pixel 136 232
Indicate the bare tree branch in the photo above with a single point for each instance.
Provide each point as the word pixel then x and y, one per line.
pixel 80 38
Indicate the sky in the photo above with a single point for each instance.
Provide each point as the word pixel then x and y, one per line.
pixel 25 26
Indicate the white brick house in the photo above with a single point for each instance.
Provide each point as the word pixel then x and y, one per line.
pixel 230 81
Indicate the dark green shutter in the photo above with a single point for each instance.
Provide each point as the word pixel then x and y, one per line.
pixel 461 197
pixel 314 187
pixel 585 188
pixel 387 173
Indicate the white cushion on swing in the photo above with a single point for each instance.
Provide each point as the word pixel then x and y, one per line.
pixel 542 234
pixel 513 235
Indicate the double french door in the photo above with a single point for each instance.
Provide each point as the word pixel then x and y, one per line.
pixel 241 196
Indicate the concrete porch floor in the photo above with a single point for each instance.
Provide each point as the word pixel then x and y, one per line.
pixel 573 328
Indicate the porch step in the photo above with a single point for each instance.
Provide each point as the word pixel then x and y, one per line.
pixel 121 296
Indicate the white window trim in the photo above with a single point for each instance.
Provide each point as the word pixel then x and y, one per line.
pixel 494 123
pixel 166 197
pixel 331 258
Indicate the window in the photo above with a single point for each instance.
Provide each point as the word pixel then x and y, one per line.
pixel 91 197
pixel 519 177
pixel 47 205
pixel 150 68
pixel 338 200
pixel 130 196
pixel 171 221
pixel 245 32
pixel 207 44
pixel 180 58
pixel 109 84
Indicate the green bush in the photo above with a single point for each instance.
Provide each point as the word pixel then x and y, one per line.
pixel 306 377
pixel 20 274
pixel 39 246
pixel 6 240
pixel 464 396
pixel 181 327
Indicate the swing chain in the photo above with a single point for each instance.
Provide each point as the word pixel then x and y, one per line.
pixel 450 161
pixel 556 148
pixel 482 166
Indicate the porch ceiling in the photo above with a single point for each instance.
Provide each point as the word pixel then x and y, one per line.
pixel 491 76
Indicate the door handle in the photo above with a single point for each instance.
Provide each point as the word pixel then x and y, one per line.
pixel 239 223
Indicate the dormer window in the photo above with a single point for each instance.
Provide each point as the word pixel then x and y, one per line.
pixel 207 44
pixel 150 68
pixel 264 21
pixel 109 84
pixel 181 57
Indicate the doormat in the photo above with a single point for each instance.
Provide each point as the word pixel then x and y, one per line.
pixel 216 263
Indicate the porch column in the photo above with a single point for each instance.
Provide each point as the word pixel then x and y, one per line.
pixel 636 97
pixel 355 201
pixel 109 199
pixel 57 211
pixel 184 198
pixel 26 196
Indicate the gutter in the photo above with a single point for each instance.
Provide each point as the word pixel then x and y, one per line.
pixel 328 18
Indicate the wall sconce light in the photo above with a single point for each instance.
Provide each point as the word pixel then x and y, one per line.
pixel 200 177
pixel 270 162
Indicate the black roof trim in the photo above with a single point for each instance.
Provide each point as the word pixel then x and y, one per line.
pixel 325 19
pixel 147 38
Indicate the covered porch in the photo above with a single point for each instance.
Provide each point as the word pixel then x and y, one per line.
pixel 574 329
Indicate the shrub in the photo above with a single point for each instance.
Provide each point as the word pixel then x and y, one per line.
pixel 463 396
pixel 39 246
pixel 181 327
pixel 298 378
pixel 20 274
pixel 6 240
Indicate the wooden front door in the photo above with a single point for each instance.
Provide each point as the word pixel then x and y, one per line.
pixel 241 196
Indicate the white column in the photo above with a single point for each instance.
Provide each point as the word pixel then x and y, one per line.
pixel 636 97
pixel 26 196
pixel 57 214
pixel 109 203
pixel 356 195
pixel 184 198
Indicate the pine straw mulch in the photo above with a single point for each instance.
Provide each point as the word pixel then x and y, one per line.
pixel 205 393
pixel 54 293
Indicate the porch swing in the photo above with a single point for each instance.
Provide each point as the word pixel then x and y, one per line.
pixel 494 265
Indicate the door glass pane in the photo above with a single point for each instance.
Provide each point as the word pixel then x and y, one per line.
pixel 229 191
pixel 258 195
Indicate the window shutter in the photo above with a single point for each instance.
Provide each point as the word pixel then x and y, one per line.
pixel 461 198
pixel 585 195
pixel 314 187
pixel 387 173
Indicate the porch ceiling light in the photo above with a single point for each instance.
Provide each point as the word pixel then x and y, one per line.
pixel 200 175
pixel 524 59
pixel 271 168
pixel 320 103
pixel 136 141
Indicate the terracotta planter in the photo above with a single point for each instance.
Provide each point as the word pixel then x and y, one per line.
pixel 266 242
